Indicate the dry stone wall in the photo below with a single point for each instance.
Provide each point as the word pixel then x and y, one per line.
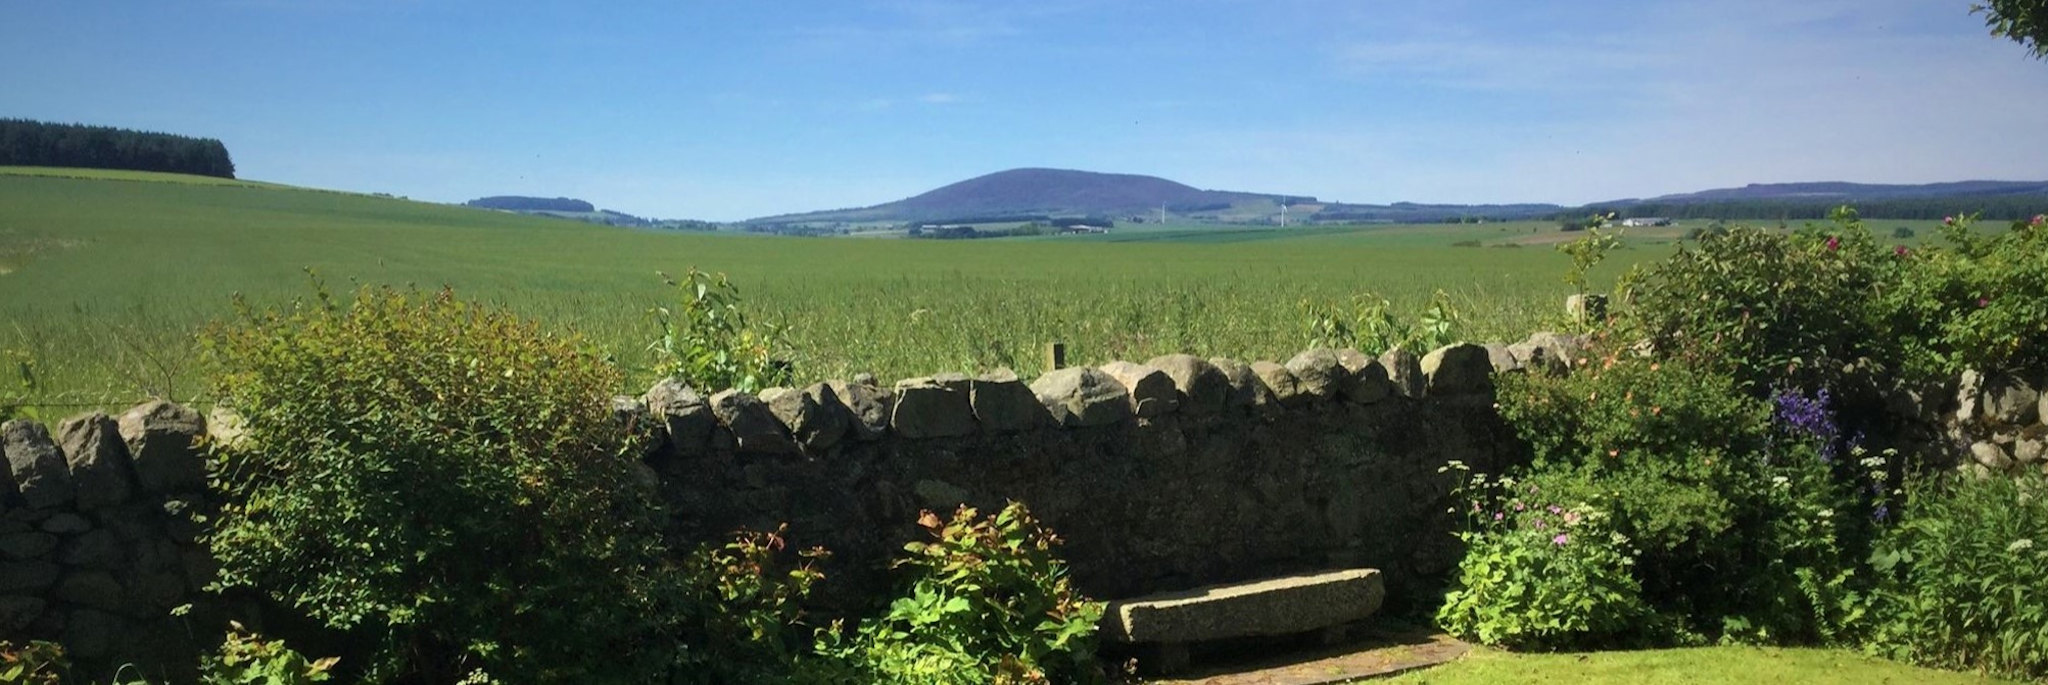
pixel 1170 474
pixel 99 526
pixel 1994 422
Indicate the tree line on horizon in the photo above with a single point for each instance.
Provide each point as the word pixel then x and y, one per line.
pixel 25 142
pixel 1991 207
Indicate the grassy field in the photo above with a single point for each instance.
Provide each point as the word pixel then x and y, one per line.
pixel 1699 666
pixel 103 284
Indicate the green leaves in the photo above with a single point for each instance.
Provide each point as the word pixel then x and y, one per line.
pixel 1372 327
pixel 987 602
pixel 248 659
pixel 1962 577
pixel 439 482
pixel 36 663
pixel 707 341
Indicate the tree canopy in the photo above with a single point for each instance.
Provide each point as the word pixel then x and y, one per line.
pixel 2024 21
pixel 35 143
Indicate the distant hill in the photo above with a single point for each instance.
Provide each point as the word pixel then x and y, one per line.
pixel 1836 191
pixel 2003 200
pixel 1047 192
pixel 1020 195
pixel 521 203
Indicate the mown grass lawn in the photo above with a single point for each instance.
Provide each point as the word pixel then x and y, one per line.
pixel 1694 666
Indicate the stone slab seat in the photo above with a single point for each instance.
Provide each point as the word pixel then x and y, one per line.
pixel 1272 607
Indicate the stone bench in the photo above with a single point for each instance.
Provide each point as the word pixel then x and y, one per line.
pixel 1318 602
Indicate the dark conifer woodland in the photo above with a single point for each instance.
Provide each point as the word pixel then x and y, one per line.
pixel 36 143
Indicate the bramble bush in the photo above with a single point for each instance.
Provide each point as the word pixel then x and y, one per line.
pixel 440 485
pixel 986 601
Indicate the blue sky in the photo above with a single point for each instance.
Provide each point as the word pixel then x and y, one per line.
pixel 725 109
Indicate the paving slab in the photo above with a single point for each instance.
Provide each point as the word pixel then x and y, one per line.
pixel 1373 652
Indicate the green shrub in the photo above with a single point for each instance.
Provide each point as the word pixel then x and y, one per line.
pixel 1372 327
pixel 1771 308
pixel 35 663
pixel 1748 525
pixel 1986 298
pixel 1543 573
pixel 1963 577
pixel 740 607
pixel 708 342
pixel 441 484
pixel 248 659
pixel 986 602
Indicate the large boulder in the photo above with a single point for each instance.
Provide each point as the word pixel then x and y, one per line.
pixel 1279 381
pixel 933 407
pixel 1586 307
pixel 16 613
pixel 1503 360
pixel 1319 372
pixel 629 414
pixel 38 467
pixel 27 577
pixel 869 404
pixel 1152 392
pixel 1004 404
pixel 98 459
pixel 162 440
pixel 683 413
pixel 1203 389
pixel 1996 399
pixel 1404 371
pixel 753 425
pixel 1365 380
pixel 814 415
pixel 224 427
pixel 2029 450
pixel 1991 456
pixel 1459 369
pixel 1546 348
pixel 1246 390
pixel 1083 396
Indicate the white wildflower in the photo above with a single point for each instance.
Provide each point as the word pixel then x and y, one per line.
pixel 2020 544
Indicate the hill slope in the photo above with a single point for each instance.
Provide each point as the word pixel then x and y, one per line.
pixel 1050 192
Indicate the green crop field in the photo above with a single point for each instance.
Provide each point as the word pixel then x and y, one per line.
pixel 104 282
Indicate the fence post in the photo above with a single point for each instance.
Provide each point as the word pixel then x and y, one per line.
pixel 1055 356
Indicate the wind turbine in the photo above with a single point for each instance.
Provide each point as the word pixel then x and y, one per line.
pixel 1283 213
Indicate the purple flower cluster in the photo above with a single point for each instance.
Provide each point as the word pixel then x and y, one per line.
pixel 1809 417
